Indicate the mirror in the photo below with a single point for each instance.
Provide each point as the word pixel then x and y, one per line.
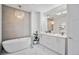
pixel 50 22
pixel 54 20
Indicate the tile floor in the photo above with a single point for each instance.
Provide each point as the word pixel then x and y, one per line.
pixel 36 50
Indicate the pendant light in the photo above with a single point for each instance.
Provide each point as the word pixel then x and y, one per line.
pixel 18 13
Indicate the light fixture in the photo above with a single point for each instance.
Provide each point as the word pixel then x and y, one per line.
pixel 48 16
pixel 64 12
pixel 52 22
pixel 19 14
pixel 59 13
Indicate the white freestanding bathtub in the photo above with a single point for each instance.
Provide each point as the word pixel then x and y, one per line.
pixel 14 45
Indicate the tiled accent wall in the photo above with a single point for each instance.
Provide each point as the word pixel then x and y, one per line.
pixel 12 26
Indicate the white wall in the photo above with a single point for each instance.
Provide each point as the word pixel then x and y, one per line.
pixel 35 22
pixel 0 25
pixel 43 22
pixel 73 29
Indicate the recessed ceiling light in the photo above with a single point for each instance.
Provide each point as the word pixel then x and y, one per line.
pixel 59 13
pixel 64 12
pixel 48 16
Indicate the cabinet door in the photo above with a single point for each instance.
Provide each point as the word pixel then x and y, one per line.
pixel 60 42
pixel 49 42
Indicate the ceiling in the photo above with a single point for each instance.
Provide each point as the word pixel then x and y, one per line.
pixel 53 12
pixel 34 7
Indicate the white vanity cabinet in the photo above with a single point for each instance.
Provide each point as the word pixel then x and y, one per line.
pixel 54 43
pixel 49 42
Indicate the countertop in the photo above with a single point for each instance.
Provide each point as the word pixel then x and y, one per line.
pixel 54 35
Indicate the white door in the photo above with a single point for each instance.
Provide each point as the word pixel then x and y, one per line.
pixel 73 29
